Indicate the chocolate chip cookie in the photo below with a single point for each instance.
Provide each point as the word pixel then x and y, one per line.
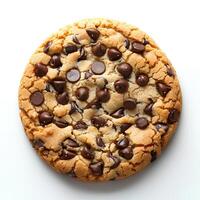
pixel 99 100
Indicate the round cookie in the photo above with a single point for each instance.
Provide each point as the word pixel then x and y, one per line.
pixel 99 100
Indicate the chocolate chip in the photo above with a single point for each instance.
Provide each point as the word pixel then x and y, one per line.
pixel 142 79
pixel 72 174
pixel 118 113
pixel 125 69
pixel 37 98
pixel 126 153
pixel 121 85
pixel 49 87
pixel 67 155
pixel 123 143
pixel 61 123
pixel 80 125
pixel 93 34
pixel 162 88
pixel 99 49
pixel 161 127
pixel 75 40
pixel 173 116
pixel 63 98
pixel 40 70
pixel 98 122
pixel 116 162
pixel 73 75
pixel 124 127
pixel 82 93
pixel 137 47
pixel 87 153
pixel 145 42
pixel 88 74
pixel 170 72
pixel 127 43
pixel 130 104
pixel 55 61
pixel 148 109
pixel 38 143
pixel 70 142
pixel 83 54
pixel 141 123
pixel 98 67
pixel 74 108
pixel 47 46
pixel 97 168
pixel 103 95
pixel 94 104
pixel 114 54
pixel 153 156
pixel 45 118
pixel 99 141
pixel 59 84
pixel 71 48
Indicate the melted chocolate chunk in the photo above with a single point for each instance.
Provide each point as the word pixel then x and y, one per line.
pixel 61 123
pixel 127 43
pixel 71 48
pixel 99 50
pixel 116 161
pixel 126 153
pixel 123 143
pixel 118 113
pixel 137 47
pixel 97 168
pixel 80 125
pixel 99 141
pixel 74 108
pixel 98 122
pixel 40 70
pixel 63 98
pixel 130 104
pixel 121 85
pixel 59 84
pixel 70 142
pixel 173 116
pixel 67 155
pixel 125 69
pixel 47 46
pixel 83 54
pixel 45 118
pixel 55 61
pixel 162 88
pixel 148 109
pixel 75 40
pixel 161 127
pixel 114 54
pixel 38 143
pixel 87 153
pixel 124 127
pixel 153 156
pixel 93 34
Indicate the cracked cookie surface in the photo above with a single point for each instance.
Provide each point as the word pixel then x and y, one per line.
pixel 99 100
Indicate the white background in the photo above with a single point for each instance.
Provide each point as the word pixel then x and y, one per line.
pixel 174 25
